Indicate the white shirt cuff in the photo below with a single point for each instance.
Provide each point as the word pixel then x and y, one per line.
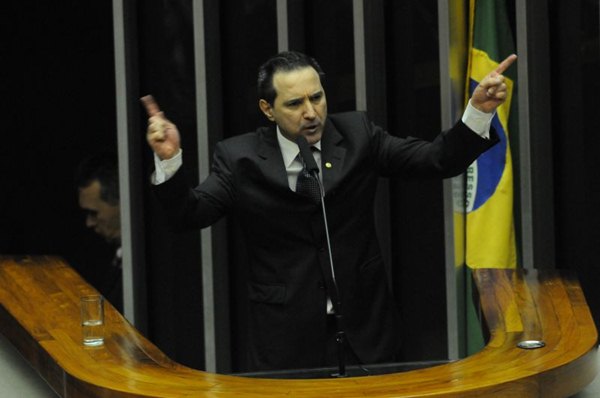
pixel 165 169
pixel 478 121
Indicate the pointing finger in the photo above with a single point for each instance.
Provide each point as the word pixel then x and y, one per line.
pixel 506 63
pixel 150 105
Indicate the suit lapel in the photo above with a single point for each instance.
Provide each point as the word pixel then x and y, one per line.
pixel 272 165
pixel 332 156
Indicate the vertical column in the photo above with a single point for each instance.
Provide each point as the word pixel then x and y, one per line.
pixel 524 167
pixel 358 18
pixel 210 354
pixel 282 26
pixel 452 22
pixel 131 237
pixel 535 137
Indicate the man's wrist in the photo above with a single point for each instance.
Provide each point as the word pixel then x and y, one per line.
pixel 165 169
pixel 477 120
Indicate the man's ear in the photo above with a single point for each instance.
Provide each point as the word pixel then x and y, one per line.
pixel 265 107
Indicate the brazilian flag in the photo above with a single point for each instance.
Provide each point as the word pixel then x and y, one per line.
pixel 490 233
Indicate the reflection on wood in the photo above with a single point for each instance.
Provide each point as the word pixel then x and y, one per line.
pixel 40 316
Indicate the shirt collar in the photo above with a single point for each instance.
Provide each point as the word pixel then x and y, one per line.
pixel 289 149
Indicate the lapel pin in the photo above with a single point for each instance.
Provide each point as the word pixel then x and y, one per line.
pixel 328 165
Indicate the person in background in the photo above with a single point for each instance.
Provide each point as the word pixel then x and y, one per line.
pixel 97 182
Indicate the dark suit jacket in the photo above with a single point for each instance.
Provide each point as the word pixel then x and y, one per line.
pixel 285 237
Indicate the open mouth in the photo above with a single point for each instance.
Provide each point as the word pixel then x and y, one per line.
pixel 312 129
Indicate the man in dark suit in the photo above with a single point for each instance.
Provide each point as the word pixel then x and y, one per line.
pixel 292 290
pixel 97 180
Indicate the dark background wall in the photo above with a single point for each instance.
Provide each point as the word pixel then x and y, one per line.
pixel 58 98
pixel 57 95
pixel 575 58
pixel 417 217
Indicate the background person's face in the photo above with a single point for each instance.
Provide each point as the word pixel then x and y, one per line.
pixel 300 107
pixel 103 217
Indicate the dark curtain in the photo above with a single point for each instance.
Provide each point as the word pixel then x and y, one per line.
pixel 417 216
pixel 58 97
pixel 575 60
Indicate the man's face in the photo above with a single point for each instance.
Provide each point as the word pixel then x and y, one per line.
pixel 103 217
pixel 300 107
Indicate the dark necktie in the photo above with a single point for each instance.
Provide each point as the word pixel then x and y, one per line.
pixel 308 185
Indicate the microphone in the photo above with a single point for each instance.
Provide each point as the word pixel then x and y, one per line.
pixel 307 156
pixel 311 166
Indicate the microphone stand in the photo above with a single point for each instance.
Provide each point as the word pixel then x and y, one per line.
pixel 340 336
pixel 311 166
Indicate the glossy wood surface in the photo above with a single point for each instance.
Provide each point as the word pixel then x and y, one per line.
pixel 39 314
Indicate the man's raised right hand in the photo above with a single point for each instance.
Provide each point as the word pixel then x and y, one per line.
pixel 162 135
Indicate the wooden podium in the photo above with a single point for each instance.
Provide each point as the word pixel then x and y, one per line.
pixel 39 314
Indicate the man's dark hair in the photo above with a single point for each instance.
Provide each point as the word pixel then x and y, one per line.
pixel 283 62
pixel 104 168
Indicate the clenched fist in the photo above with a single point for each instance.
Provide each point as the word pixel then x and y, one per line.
pixel 162 135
